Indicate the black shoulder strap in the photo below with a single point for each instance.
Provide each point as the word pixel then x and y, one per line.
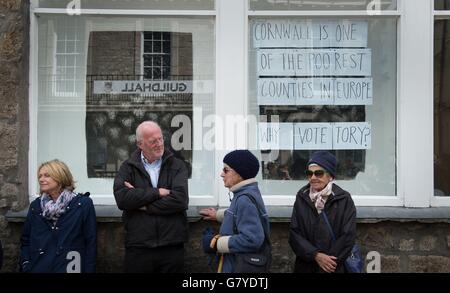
pixel 330 229
pixel 261 219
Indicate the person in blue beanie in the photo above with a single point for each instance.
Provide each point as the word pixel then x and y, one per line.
pixel 309 235
pixel 245 224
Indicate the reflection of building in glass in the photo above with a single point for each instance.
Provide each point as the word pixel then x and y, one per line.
pixel 442 106
pixel 112 115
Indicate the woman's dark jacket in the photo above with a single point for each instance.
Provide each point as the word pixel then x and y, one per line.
pixel 49 248
pixel 163 221
pixel 308 232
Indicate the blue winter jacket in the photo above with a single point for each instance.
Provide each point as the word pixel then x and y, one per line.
pixel 49 248
pixel 250 236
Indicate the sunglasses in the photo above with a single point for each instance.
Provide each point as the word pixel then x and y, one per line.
pixel 317 173
pixel 226 170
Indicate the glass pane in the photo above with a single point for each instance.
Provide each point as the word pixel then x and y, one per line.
pixel 156 73
pixel 441 4
pixel 70 46
pixel 148 46
pixel 157 60
pixel 60 47
pixel 441 108
pixel 324 84
pixel 148 73
pixel 157 36
pixel 166 60
pixel 166 73
pixel 166 47
pixel 133 4
pixel 157 46
pixel 323 5
pixel 99 95
pixel 148 35
pixel 148 60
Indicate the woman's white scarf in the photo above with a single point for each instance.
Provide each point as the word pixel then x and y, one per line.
pixel 52 210
pixel 320 197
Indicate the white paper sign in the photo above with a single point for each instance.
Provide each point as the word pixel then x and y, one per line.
pixel 142 87
pixel 307 62
pixel 313 136
pixel 318 33
pixel 333 136
pixel 352 136
pixel 275 136
pixel 315 91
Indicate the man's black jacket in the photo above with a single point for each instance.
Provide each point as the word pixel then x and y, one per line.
pixel 151 221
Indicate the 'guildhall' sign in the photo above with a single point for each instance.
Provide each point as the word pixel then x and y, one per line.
pixel 143 87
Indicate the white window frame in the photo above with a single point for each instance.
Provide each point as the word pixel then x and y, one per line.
pixel 414 93
pixel 437 14
pixel 414 189
pixel 35 11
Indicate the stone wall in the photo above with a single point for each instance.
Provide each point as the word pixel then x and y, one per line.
pixel 14 40
pixel 404 247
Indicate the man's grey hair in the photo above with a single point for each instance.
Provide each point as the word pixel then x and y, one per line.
pixel 142 126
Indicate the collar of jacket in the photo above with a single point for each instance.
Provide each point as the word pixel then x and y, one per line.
pixel 241 184
pixel 136 161
pixel 36 208
pixel 337 193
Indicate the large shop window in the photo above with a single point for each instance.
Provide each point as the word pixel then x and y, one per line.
pixel 441 4
pixel 321 83
pixel 328 5
pixel 132 4
pixel 442 105
pixel 99 77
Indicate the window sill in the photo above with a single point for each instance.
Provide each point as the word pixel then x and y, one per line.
pixel 110 213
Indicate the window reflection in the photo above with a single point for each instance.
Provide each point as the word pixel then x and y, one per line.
pixel 441 107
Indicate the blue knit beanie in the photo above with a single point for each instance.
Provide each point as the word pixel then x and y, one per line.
pixel 243 162
pixel 325 160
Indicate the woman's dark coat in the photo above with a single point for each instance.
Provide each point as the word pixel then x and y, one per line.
pixel 49 248
pixel 308 232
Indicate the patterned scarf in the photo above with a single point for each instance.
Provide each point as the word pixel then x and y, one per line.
pixel 320 197
pixel 52 210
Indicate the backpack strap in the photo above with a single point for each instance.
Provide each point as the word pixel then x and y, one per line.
pixel 328 225
pixel 261 217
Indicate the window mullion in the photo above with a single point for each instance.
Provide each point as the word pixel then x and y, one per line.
pixel 415 136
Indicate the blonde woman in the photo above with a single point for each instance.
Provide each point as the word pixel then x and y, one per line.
pixel 60 232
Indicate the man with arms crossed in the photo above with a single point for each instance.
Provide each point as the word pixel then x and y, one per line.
pixel 151 188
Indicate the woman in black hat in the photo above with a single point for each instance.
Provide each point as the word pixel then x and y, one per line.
pixel 243 240
pixel 317 247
